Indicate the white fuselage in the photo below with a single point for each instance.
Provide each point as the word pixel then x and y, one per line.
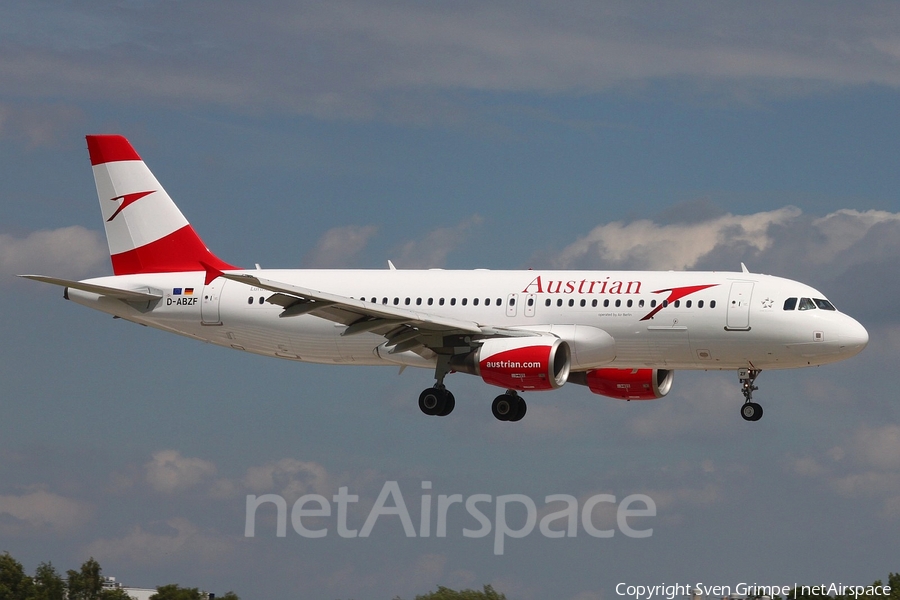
pixel 722 320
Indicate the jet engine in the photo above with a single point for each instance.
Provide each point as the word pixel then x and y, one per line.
pixel 627 384
pixel 519 363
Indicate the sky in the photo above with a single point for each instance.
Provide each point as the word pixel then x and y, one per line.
pixel 502 135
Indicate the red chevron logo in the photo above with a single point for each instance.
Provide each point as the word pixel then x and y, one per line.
pixel 127 200
pixel 676 294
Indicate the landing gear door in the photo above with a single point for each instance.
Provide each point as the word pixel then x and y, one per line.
pixel 209 303
pixel 738 311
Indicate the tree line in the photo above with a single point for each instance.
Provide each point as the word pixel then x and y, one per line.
pixel 85 584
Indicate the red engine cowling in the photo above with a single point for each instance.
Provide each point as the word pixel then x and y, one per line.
pixel 628 384
pixel 522 363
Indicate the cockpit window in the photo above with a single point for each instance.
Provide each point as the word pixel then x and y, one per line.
pixel 806 304
pixel 823 304
pixel 790 304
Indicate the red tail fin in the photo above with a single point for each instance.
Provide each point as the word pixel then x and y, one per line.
pixel 145 230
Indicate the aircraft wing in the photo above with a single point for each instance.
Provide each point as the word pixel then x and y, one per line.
pixel 102 290
pixel 403 328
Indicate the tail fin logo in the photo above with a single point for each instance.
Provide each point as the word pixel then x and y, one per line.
pixel 127 200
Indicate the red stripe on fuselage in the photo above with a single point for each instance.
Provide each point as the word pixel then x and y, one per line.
pixel 110 148
pixel 182 250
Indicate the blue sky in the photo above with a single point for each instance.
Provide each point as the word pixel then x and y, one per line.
pixel 457 135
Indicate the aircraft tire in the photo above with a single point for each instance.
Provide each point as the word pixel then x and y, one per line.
pixel 449 404
pixel 432 401
pixel 503 406
pixel 751 411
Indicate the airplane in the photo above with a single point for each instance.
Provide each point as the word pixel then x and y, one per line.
pixel 622 334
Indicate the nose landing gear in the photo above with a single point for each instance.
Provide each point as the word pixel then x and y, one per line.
pixel 750 411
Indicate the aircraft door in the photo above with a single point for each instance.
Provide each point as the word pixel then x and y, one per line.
pixel 209 304
pixel 738 311
pixel 530 303
pixel 511 301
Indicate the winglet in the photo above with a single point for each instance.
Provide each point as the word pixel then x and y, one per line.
pixel 391 266
pixel 744 268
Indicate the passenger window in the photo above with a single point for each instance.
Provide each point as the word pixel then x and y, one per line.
pixel 653 304
pixel 531 302
pixel 407 302
pixel 384 300
pixel 677 303
pixel 250 300
pixel 559 302
pixel 712 303
pixel 430 301
pixel 418 302
pixel 823 304
pixel 499 302
pixel 790 304
pixel 465 301
pixel 512 301
pixel 261 299
pixel 699 303
pixel 594 302
pixel 547 302
pixel 806 304
pixel 571 302
pixel 441 301
pixel 687 304
pixel 665 303
pixel 583 302
pixel 630 303
pixel 452 301
pixel 474 301
pixel 641 303
pixel 487 301
pixel 396 301
pixel 606 303
pixel 618 303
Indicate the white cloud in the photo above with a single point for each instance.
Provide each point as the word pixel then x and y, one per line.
pixel 68 252
pixel 42 509
pixel 644 244
pixel 340 246
pixel 179 540
pixel 291 478
pixel 168 471
pixel 432 250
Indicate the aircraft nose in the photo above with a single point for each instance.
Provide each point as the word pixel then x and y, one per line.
pixel 853 336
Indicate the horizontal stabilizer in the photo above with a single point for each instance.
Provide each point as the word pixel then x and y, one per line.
pixel 102 290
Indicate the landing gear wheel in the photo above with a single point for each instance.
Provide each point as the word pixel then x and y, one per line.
pixel 520 412
pixel 751 411
pixel 449 404
pixel 504 406
pixel 432 401
pixel 508 407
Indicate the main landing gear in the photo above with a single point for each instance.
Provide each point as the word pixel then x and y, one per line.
pixel 750 411
pixel 509 406
pixel 438 401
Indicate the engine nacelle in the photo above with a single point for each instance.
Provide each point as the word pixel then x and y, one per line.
pixel 520 363
pixel 627 384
